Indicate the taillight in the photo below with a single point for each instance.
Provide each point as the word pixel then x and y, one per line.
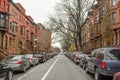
pixel 103 64
pixel 41 56
pixel 78 57
pixel 19 62
pixel 31 58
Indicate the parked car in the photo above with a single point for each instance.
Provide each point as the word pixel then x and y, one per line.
pixel 17 62
pixel 33 60
pixel 84 61
pixel 72 56
pixel 40 57
pixel 78 57
pixel 117 76
pixel 104 62
pixel 6 72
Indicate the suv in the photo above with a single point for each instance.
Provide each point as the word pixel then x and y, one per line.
pixel 104 62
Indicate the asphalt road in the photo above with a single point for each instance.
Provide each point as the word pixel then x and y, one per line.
pixel 57 68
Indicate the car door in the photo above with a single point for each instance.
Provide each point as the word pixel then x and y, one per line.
pixel 91 61
pixel 3 71
pixel 26 62
pixel 99 57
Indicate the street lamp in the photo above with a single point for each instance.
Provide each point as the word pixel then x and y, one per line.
pixel 35 44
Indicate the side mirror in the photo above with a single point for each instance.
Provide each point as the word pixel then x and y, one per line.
pixel 89 55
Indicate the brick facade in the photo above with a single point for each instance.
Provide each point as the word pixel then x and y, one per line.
pixel 18 31
pixel 92 31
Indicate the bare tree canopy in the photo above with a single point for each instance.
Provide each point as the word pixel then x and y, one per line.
pixel 69 18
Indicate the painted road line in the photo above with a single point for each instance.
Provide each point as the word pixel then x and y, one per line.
pixel 28 73
pixel 49 69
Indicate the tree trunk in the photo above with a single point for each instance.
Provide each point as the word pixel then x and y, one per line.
pixel 76 45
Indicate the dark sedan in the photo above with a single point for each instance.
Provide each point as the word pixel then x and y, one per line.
pixel 6 72
pixel 40 57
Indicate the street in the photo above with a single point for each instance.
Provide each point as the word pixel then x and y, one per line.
pixel 57 68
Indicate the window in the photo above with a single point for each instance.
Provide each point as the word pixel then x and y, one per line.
pixel 0 41
pixel 97 17
pixel 102 10
pixel 27 34
pixel 113 2
pixel 113 54
pixel 7 8
pixel 93 53
pixel 3 20
pixel 10 41
pixel 100 55
pixel 6 44
pixel 114 17
pixel 14 27
pixel 21 31
pixel 3 4
pixel 116 38
pixel 24 31
pixel 14 14
pixel 6 21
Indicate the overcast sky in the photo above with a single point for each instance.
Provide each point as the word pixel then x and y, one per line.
pixel 38 9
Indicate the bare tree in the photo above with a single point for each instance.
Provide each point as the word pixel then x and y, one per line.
pixel 69 18
pixel 106 25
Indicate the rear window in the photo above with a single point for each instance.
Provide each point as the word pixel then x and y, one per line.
pixel 29 56
pixel 16 58
pixel 37 55
pixel 7 58
pixel 113 54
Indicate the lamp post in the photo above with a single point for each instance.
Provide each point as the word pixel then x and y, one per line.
pixel 35 44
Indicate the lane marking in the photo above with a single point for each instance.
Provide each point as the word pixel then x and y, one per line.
pixel 49 69
pixel 28 73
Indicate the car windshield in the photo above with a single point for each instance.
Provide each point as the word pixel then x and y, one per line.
pixel 16 58
pixel 12 58
pixel 28 56
pixel 114 54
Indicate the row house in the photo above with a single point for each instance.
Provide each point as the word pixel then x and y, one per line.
pixel 4 19
pixel 115 17
pixel 102 27
pixel 18 31
pixel 21 30
pixel 44 38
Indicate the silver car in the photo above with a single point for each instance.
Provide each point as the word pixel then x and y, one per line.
pixel 17 62
pixel 33 60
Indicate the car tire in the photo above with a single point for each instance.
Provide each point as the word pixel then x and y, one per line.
pixel 24 69
pixel 10 75
pixel 84 67
pixel 97 76
pixel 80 64
pixel 86 70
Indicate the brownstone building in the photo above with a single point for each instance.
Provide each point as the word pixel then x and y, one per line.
pixel 4 24
pixel 102 27
pixel 18 31
pixel 44 38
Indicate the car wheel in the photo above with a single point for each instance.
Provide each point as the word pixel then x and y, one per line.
pixel 29 65
pixel 86 70
pixel 80 64
pixel 84 67
pixel 10 75
pixel 24 69
pixel 74 60
pixel 97 76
